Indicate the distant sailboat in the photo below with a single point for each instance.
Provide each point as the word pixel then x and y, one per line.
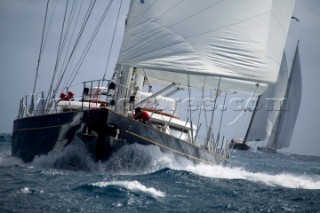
pixel 283 129
pixel 275 123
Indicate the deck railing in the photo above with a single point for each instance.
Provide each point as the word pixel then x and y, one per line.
pixel 94 93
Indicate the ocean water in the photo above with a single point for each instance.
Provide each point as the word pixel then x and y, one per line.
pixel 154 182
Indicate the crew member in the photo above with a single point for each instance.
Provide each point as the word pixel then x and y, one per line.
pixel 142 116
pixel 63 97
pixel 71 96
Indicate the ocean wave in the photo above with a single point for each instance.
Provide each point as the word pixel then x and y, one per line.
pixel 287 180
pixel 134 186
pixel 74 157
pixel 138 159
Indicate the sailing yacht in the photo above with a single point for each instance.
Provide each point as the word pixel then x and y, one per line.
pixel 168 47
pixel 266 110
pixel 274 123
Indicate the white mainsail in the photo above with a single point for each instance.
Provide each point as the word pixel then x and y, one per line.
pixel 283 129
pixel 268 107
pixel 239 42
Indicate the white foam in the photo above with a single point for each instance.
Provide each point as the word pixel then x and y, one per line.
pixel 52 172
pixel 75 152
pixel 138 159
pixel 132 186
pixel 283 179
pixel 25 190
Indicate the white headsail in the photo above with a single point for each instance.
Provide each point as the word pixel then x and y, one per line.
pixel 240 42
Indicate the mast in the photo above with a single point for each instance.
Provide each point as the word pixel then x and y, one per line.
pixel 123 80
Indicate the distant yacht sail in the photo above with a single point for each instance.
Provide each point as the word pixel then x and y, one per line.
pixel 283 129
pixel 265 114
pixel 275 123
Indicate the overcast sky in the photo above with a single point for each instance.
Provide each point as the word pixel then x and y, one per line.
pixel 20 35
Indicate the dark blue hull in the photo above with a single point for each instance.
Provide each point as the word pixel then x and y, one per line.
pixel 39 135
pixel 239 145
pixel 101 130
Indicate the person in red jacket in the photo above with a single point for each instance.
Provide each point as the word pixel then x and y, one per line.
pixel 63 97
pixel 142 116
pixel 71 96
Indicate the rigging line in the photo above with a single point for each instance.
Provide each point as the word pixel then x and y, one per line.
pixel 50 21
pixel 212 114
pixel 41 48
pixel 242 129
pixel 246 106
pixel 155 98
pixel 254 113
pixel 66 68
pixel 184 128
pixel 168 123
pixel 76 44
pixel 197 133
pixel 72 34
pixel 201 103
pixel 58 53
pixel 70 20
pixel 64 33
pixel 221 116
pixel 63 68
pixel 205 111
pixel 70 76
pixel 98 27
pixel 189 94
pixel 70 41
pixel 65 38
pixel 113 36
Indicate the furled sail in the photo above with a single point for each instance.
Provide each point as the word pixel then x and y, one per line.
pixel 283 129
pixel 240 42
pixel 268 107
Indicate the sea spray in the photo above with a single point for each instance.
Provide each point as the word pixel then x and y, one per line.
pixel 138 159
pixel 287 180
pixel 132 186
pixel 73 157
